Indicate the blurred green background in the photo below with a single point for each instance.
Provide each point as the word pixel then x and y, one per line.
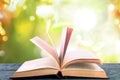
pixel 96 26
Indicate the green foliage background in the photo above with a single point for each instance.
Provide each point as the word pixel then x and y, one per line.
pixel 21 29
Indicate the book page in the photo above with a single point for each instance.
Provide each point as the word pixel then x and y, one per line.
pixel 84 70
pixel 42 63
pixel 80 56
pixel 66 34
pixel 45 46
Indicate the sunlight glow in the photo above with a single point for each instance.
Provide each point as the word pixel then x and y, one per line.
pixel 2 52
pixel 1 16
pixel 2 31
pixel 117 46
pixel 14 3
pixel 24 7
pixel 85 19
pixel 116 21
pixel 32 18
pixel 4 38
pixel 44 11
pixel 111 7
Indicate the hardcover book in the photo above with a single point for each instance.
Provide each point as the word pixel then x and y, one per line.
pixel 77 63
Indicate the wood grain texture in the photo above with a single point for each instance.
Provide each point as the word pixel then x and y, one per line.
pixel 112 70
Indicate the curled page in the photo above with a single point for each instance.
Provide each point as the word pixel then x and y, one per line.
pixel 78 56
pixel 66 34
pixel 45 46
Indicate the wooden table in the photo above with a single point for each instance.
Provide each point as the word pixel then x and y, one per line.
pixel 112 70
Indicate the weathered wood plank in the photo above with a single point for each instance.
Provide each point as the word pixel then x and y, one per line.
pixel 112 70
pixel 9 67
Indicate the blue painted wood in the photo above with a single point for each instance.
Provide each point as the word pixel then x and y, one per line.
pixel 112 70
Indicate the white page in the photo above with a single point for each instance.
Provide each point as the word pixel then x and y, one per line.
pixel 45 46
pixel 46 62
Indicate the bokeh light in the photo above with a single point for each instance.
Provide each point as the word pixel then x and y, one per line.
pixel 96 26
pixel 45 11
pixel 85 19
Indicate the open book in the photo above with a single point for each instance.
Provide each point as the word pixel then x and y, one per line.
pixel 78 63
